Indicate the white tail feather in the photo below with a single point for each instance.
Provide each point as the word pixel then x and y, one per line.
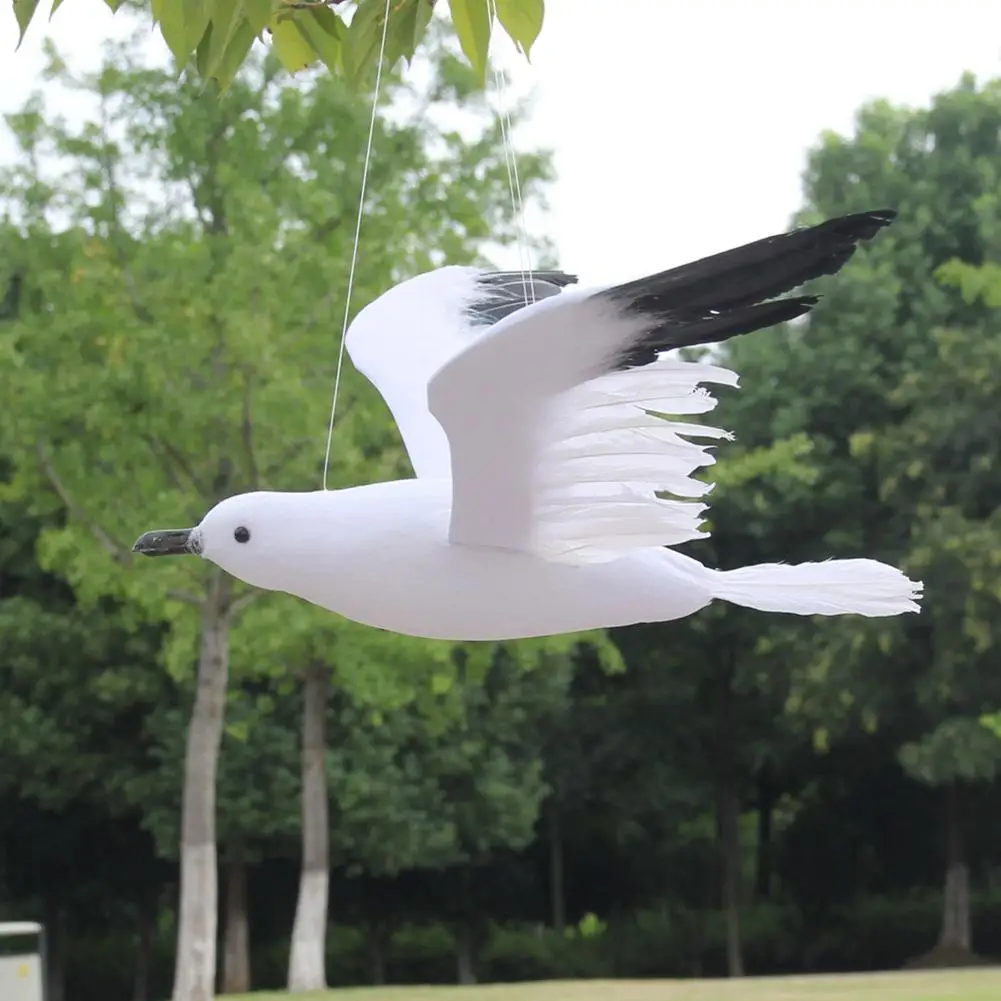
pixel 837 587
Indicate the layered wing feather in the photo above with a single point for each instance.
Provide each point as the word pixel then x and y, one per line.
pixel 552 415
pixel 402 338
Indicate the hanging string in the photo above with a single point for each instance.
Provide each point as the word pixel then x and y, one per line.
pixel 517 206
pixel 513 180
pixel 357 240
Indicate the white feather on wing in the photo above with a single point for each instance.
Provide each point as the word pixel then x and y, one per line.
pixel 556 453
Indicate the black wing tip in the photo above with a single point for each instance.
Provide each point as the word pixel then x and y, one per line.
pixel 883 216
pixel 860 226
pixel 807 301
pixel 794 307
pixel 714 329
pixel 733 293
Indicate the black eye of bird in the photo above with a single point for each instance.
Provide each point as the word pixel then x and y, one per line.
pixel 242 534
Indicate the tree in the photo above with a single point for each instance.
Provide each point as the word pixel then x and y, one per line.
pixel 176 256
pixel 889 389
pixel 255 796
pixel 446 785
pixel 218 35
pixel 74 686
pixel 307 956
pixel 488 773
pixel 386 688
pixel 937 465
pixel 374 671
pixel 705 703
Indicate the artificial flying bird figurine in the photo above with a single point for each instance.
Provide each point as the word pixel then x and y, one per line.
pixel 532 415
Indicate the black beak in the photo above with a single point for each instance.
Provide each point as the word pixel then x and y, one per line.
pixel 168 542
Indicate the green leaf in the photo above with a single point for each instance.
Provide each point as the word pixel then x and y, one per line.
pixel 183 25
pixel 407 27
pixel 472 24
pixel 238 730
pixel 425 11
pixel 324 31
pixel 441 684
pixel 203 52
pixel 363 38
pixel 56 4
pixel 400 38
pixel 233 55
pixel 24 11
pixel 992 721
pixel 199 16
pixel 227 16
pixel 290 45
pixel 522 20
pixel 258 13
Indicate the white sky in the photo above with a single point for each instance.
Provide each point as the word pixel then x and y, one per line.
pixel 680 128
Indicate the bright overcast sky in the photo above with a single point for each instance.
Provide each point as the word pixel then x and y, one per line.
pixel 679 128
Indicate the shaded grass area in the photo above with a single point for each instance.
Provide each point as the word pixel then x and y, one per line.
pixel 952 985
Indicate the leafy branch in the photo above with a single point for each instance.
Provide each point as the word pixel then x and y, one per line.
pixel 112 548
pixel 217 35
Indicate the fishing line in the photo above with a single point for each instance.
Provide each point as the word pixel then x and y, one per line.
pixel 513 179
pixel 357 240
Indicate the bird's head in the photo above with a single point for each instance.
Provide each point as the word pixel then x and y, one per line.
pixel 251 536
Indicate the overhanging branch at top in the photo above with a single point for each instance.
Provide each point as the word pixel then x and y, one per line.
pixel 216 36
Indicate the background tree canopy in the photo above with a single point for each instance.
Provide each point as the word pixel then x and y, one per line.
pixel 732 793
pixel 193 245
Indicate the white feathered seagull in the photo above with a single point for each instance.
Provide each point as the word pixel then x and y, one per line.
pixel 549 488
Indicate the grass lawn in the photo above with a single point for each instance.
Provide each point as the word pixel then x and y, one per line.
pixel 950 985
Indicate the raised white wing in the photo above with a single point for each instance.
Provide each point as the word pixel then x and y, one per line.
pixel 402 338
pixel 552 415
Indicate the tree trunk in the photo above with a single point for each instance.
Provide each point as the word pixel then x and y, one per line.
pixel 145 928
pixel 763 851
pixel 378 938
pixel 698 941
pixel 465 932
pixel 236 936
pixel 195 968
pixel 557 892
pixel 465 967
pixel 728 825
pixel 54 973
pixel 956 902
pixel 307 968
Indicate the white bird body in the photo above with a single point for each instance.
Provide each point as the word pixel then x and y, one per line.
pixel 550 484
pixel 397 570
